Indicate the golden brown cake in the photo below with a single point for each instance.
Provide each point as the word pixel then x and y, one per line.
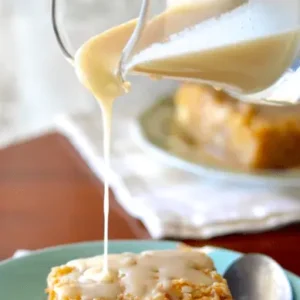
pixel 161 275
pixel 253 136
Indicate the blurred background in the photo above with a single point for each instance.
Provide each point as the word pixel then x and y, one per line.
pixel 36 82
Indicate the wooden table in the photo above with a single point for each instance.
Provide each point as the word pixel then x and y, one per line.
pixel 48 196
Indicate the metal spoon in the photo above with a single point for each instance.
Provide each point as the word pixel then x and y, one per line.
pixel 258 277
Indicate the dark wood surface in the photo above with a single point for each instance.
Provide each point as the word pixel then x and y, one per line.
pixel 48 196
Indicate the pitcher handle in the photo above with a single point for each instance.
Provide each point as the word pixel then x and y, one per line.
pixel 127 51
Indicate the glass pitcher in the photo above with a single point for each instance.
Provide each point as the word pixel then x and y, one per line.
pixel 249 48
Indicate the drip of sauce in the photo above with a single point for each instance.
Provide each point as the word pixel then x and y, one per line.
pixel 98 76
pixel 107 115
pixel 264 45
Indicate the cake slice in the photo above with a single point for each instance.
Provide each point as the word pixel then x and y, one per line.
pixel 241 134
pixel 160 275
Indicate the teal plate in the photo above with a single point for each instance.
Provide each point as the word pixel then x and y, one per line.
pixel 24 278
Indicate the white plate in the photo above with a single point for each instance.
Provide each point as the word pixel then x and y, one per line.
pixel 152 132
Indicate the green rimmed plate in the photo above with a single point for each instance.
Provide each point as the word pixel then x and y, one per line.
pixel 24 278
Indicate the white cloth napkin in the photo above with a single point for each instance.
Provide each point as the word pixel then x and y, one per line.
pixel 173 203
